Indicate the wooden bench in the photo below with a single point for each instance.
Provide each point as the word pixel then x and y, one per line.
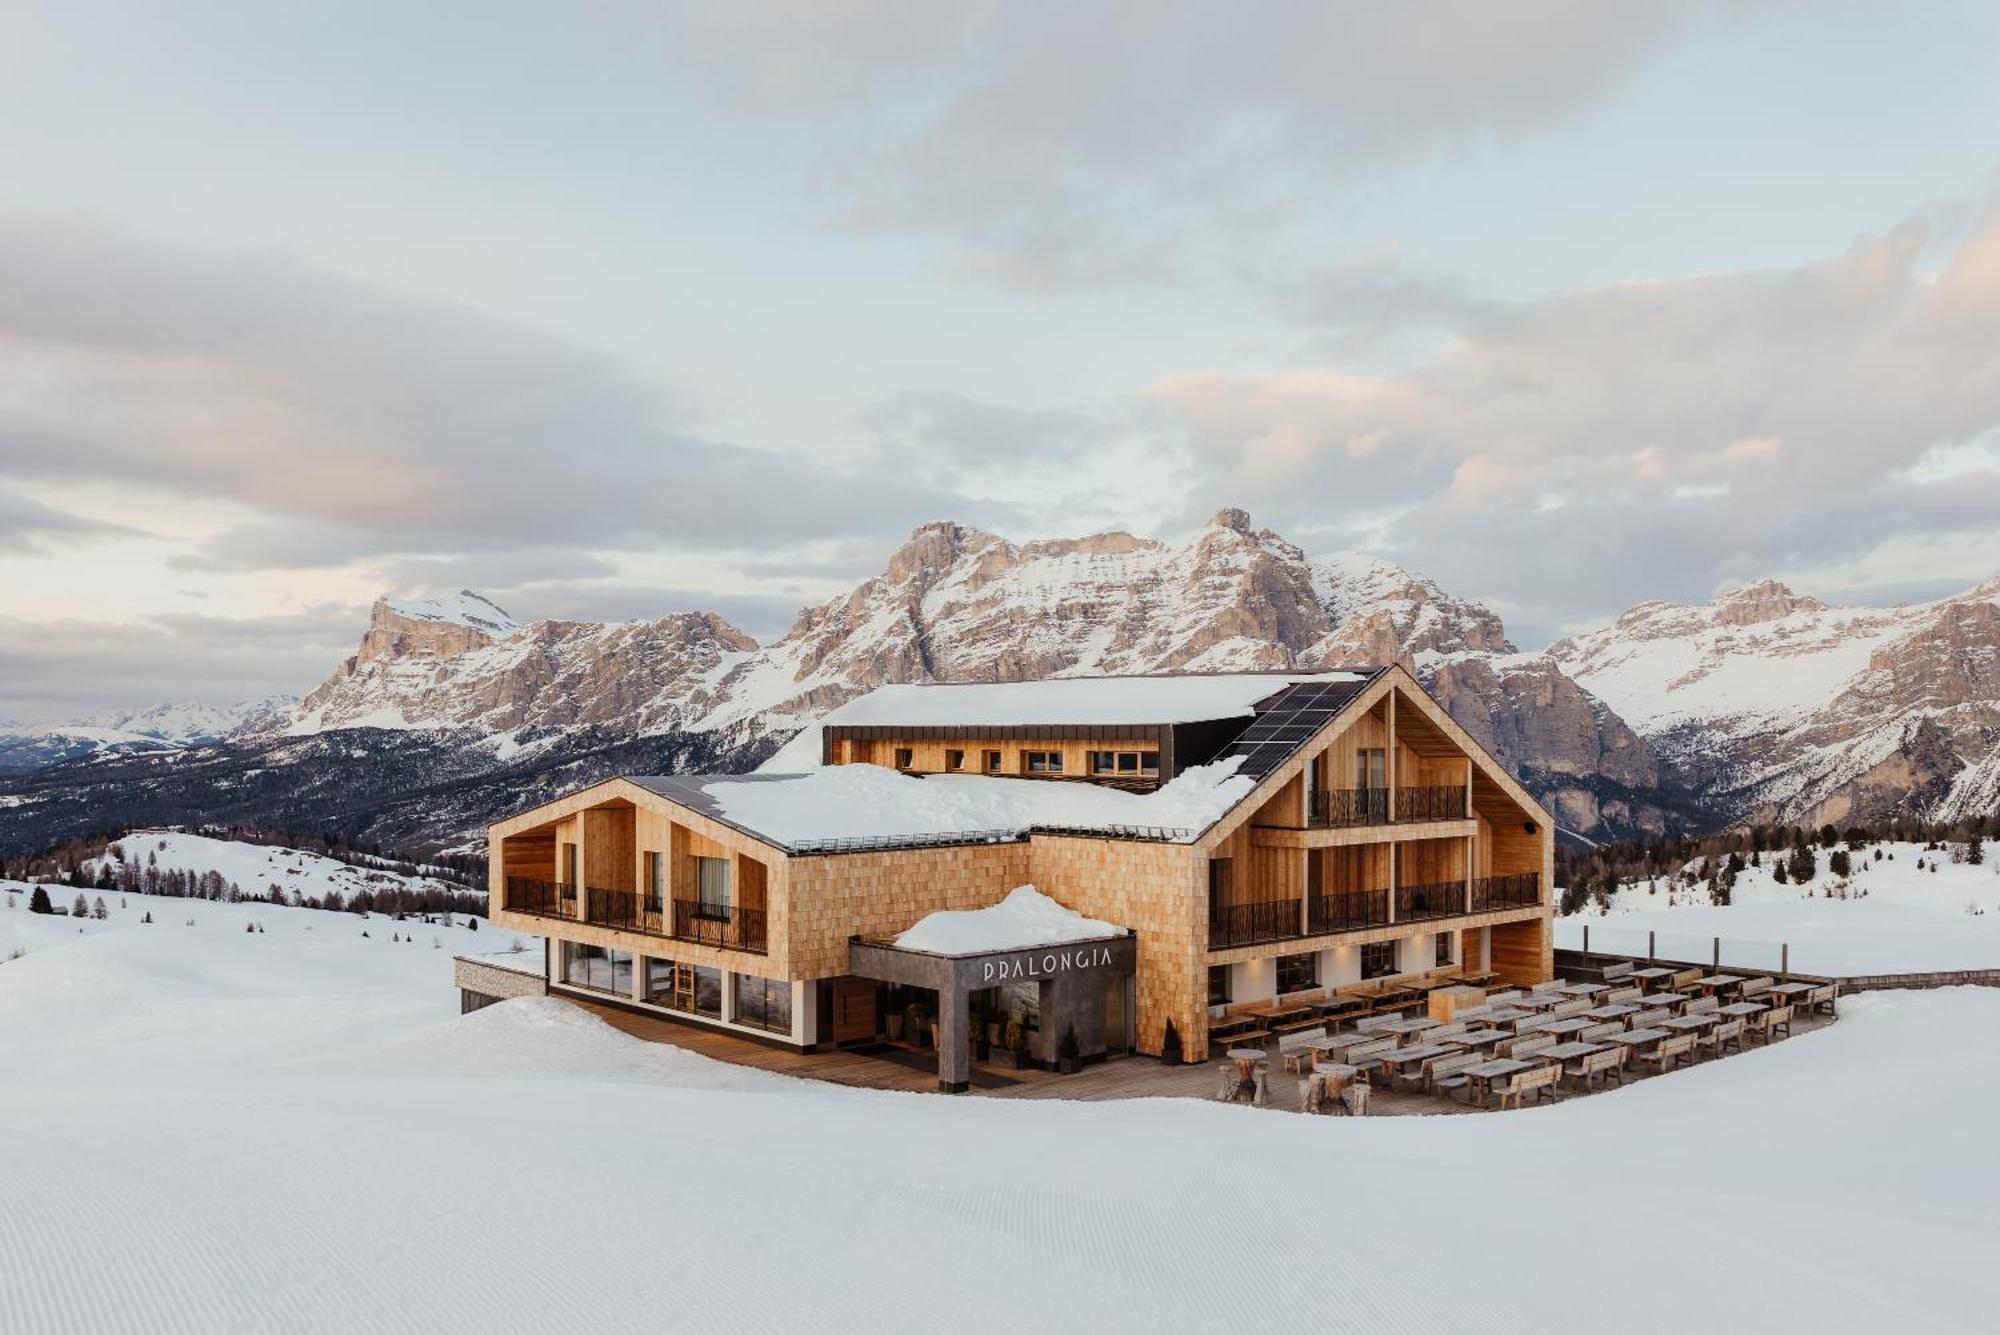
pixel 1524 1048
pixel 1597 1033
pixel 1620 996
pixel 1365 1055
pixel 1780 1018
pixel 1564 1010
pixel 1444 1033
pixel 1685 979
pixel 1312 1024
pixel 1647 1019
pixel 1668 1051
pixel 1442 1075
pixel 1611 973
pixel 1549 985
pixel 1702 1005
pixel 1296 1051
pixel 1540 1083
pixel 1752 987
pixel 1719 1037
pixel 1503 997
pixel 1822 998
pixel 1591 1069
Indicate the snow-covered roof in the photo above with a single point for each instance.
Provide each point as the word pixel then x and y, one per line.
pixel 1074 700
pixel 1057 701
pixel 1025 918
pixel 869 802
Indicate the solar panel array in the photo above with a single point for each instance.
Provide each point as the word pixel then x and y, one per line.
pixel 1287 722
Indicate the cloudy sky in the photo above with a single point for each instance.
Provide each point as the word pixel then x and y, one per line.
pixel 615 309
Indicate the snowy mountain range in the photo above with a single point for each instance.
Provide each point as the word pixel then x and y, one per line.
pixel 451 711
pixel 1783 707
pixel 155 729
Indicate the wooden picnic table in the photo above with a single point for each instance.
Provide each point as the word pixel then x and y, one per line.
pixel 1498 1015
pixel 1652 999
pixel 1634 1039
pixel 1583 989
pixel 1614 1011
pixel 1485 1073
pixel 1737 1010
pixel 1539 1001
pixel 1691 1024
pixel 1278 1014
pixel 1340 1044
pixel 1477 1038
pixel 1408 1025
pixel 1717 983
pixel 1569 1024
pixel 1650 974
pixel 1563 1052
pixel 1477 979
pixel 1791 989
pixel 1402 1058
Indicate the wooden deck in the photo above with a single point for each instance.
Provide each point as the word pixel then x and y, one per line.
pixel 1118 1078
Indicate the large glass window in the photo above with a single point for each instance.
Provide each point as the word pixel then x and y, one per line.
pixel 693 988
pixel 1042 762
pixel 712 876
pixel 1443 949
pixel 764 1003
pixel 1296 973
pixel 597 968
pixel 1378 959
pixel 656 881
pixel 1218 984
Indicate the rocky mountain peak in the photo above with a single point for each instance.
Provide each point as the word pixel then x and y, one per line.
pixel 435 628
pixel 1231 518
pixel 1766 600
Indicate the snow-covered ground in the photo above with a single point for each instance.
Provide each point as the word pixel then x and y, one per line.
pixel 255 868
pixel 204 1129
pixel 1887 917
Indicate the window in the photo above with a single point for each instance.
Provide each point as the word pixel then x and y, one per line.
pixel 693 988
pixel 712 877
pixel 597 968
pixel 1443 949
pixel 1218 886
pixel 1296 973
pixel 1218 984
pixel 569 867
pixel 1378 959
pixel 764 1003
pixel 656 881
pixel 954 760
pixel 1371 768
pixel 1126 764
pixel 1042 762
pixel 992 762
pixel 904 757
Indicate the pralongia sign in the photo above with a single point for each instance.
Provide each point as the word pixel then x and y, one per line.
pixel 1045 963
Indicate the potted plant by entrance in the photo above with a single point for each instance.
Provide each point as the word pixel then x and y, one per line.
pixel 1068 1055
pixel 1170 1050
pixel 1014 1049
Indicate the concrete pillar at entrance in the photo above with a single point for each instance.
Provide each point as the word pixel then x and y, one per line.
pixel 954 1043
pixel 1072 999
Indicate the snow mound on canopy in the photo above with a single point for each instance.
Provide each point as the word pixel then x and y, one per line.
pixel 1026 917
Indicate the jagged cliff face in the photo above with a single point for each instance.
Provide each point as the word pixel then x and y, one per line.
pixel 958 604
pixel 1787 709
pixel 506 680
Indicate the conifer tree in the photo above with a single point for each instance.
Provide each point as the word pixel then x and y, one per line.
pixel 38 902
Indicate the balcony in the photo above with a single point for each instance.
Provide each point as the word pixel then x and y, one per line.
pixel 730 926
pixel 1252 924
pixel 1522 890
pixel 1340 807
pixel 544 899
pixel 1349 911
pixel 1425 903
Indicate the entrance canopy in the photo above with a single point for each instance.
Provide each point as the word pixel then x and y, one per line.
pixel 1025 938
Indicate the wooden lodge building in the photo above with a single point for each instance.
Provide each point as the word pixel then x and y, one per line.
pixel 1206 840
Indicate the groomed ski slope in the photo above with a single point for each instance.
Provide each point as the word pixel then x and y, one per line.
pixel 208 1130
